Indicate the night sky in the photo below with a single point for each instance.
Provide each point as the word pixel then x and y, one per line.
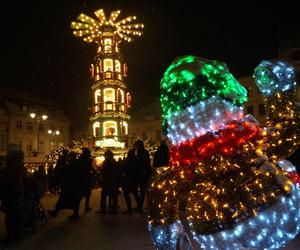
pixel 41 55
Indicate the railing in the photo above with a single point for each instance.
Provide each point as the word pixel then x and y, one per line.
pixel 109 75
pixel 110 106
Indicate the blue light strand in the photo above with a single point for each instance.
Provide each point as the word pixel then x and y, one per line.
pixel 287 166
pixel 166 237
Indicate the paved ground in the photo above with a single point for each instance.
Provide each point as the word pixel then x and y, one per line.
pixel 90 232
pixel 93 231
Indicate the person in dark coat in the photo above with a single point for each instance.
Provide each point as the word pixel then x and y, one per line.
pixel 161 155
pixel 143 166
pixel 69 197
pixel 86 172
pixel 13 194
pixel 53 185
pixel 42 178
pixel 110 177
pixel 129 180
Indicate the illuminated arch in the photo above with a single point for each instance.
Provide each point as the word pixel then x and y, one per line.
pixel 117 66
pixel 125 127
pixel 96 129
pixel 97 96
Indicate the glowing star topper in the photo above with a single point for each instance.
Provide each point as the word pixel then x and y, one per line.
pixel 91 30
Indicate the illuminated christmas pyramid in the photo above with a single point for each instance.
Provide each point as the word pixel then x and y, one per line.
pixel 111 100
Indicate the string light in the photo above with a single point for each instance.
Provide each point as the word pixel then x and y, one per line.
pixel 111 115
pixel 189 80
pixel 227 173
pixel 92 30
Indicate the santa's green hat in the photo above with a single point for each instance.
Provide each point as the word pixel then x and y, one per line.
pixel 194 88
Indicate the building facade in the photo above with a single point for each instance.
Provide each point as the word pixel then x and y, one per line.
pixel 290 51
pixel 35 136
pixel 147 124
pixel 255 104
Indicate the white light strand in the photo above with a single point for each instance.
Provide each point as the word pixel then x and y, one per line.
pixel 271 229
pixel 200 118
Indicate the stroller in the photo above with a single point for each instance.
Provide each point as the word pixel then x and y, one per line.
pixel 34 211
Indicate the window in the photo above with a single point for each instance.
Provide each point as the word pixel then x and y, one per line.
pixel 121 100
pixel 108 75
pixel 107 41
pixel 2 141
pixel 108 65
pixel 109 95
pixel 144 135
pixel 128 99
pixel 117 66
pixel 158 134
pixel 52 145
pixel 18 141
pixel 19 124
pixel 29 126
pixel 25 108
pixel 29 148
pixel 41 146
pixel 120 96
pixel 41 127
pixel 108 106
pixel 107 44
pixel 250 110
pixel 61 129
pixel 125 128
pixel 296 55
pixel 109 99
pixel 261 109
pixel 107 48
pixel 92 71
pixel 110 128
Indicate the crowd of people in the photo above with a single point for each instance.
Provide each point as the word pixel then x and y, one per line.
pixel 72 179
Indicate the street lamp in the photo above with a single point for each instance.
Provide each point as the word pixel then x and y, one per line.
pixel 54 132
pixel 51 132
pixel 38 118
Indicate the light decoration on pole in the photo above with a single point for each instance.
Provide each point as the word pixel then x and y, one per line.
pixel 227 171
pixel 38 118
